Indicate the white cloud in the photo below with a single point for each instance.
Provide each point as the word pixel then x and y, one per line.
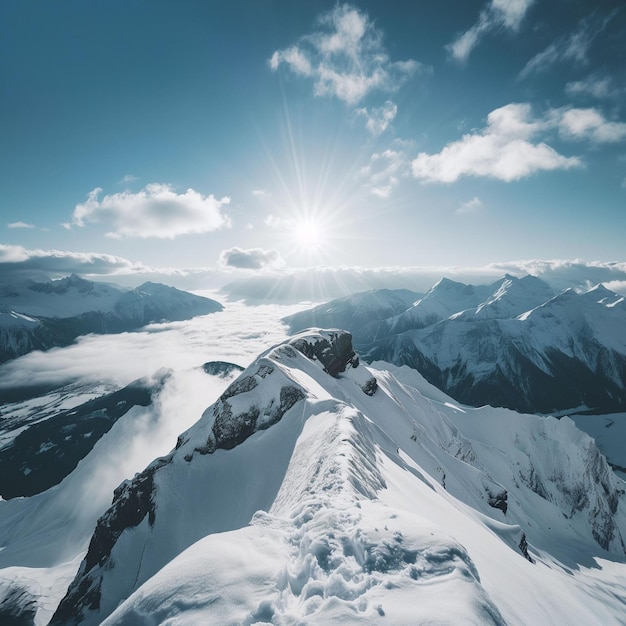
pixel 573 49
pixel 20 225
pixel 345 58
pixel 473 205
pixel 237 335
pixel 261 193
pixel 128 179
pixel 61 262
pixel 594 85
pixel 378 119
pixel 273 221
pixel 591 125
pixel 155 211
pixel 324 283
pixel 385 170
pixel 251 259
pixel 502 150
pixel 496 14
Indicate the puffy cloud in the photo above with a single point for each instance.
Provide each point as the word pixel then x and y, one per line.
pixel 378 119
pixel 502 150
pixel 473 205
pixel 60 262
pixel 573 48
pixel 20 225
pixel 345 58
pixel 155 211
pixel 591 125
pixel 251 259
pixel 496 14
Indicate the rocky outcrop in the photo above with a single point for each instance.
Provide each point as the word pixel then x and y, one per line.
pixel 332 348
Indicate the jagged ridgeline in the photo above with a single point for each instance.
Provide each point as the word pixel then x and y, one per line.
pixel 42 315
pixel 317 489
pixel 516 343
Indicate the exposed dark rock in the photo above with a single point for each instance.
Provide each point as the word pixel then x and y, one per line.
pixel 499 501
pixel 523 546
pixel 132 501
pixel 18 607
pixel 221 368
pixel 241 385
pixel 370 387
pixel 230 432
pixel 333 350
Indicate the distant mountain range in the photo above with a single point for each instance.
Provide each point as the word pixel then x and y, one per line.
pixel 515 343
pixel 41 315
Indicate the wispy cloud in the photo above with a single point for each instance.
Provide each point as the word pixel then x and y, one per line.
pixel 599 87
pixel 346 58
pixel 471 206
pixel 502 150
pixel 496 14
pixel 251 259
pixel 274 221
pixel 379 118
pixel 386 169
pixel 572 48
pixel 261 193
pixel 20 225
pixel 156 211
pixel 129 179
pixel 590 125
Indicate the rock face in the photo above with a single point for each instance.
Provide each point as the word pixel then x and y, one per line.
pixel 514 344
pixel 39 316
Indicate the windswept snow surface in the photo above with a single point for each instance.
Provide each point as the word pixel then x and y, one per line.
pixel 368 498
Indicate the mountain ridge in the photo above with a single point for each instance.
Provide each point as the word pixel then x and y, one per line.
pixel 371 490
pixel 41 315
pixel 515 343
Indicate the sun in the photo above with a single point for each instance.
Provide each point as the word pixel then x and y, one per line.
pixel 308 234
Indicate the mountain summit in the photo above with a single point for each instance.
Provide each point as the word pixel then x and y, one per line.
pixel 318 490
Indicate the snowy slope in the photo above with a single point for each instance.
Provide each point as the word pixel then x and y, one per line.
pixel 41 315
pixel 44 537
pixel 371 497
pixel 514 343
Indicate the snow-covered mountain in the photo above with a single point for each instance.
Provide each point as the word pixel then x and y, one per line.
pixel 41 315
pixel 365 497
pixel 514 343
pixel 39 449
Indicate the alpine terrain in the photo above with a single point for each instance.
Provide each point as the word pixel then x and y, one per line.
pixel 515 343
pixel 319 490
pixel 41 315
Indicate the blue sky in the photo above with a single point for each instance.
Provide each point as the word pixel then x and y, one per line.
pixel 281 134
